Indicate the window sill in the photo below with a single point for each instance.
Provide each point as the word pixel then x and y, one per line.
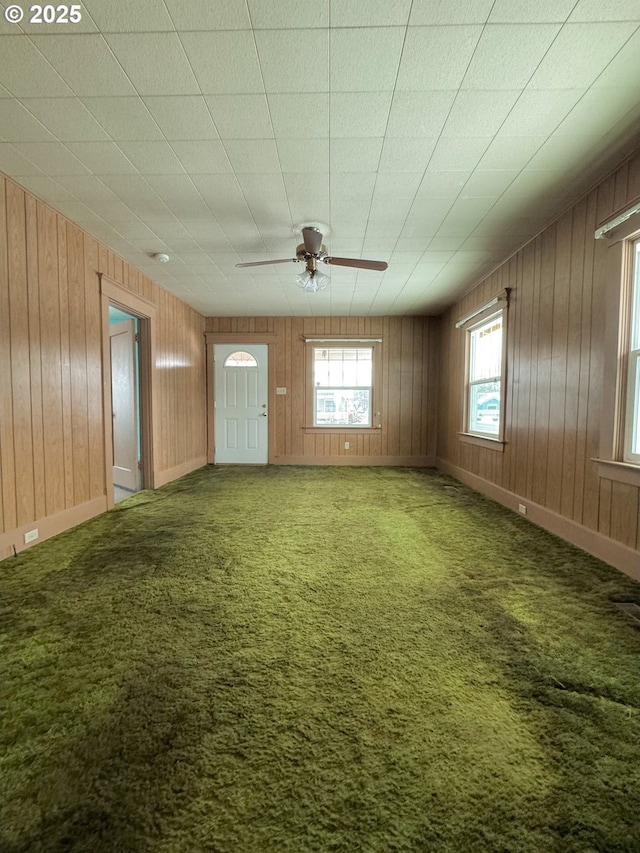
pixel 341 428
pixel 622 472
pixel 482 441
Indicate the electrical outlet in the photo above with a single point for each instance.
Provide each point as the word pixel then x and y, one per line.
pixel 346 445
pixel 31 536
pixel 522 509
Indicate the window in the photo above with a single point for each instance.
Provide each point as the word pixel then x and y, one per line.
pixel 240 359
pixel 485 379
pixel 342 386
pixel 632 407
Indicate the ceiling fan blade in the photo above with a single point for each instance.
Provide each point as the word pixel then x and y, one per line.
pixel 264 263
pixel 360 263
pixel 312 240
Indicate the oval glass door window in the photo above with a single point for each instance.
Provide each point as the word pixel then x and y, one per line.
pixel 240 359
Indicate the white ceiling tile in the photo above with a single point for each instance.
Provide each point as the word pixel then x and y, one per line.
pixel 438 12
pixel 510 152
pixel 488 183
pixel 288 14
pixel 355 155
pixel 623 68
pixel 123 118
pixel 562 152
pixel 67 118
pixel 87 189
pixel 479 113
pixel 155 63
pixel 136 193
pixel 102 158
pixel 352 114
pixel 221 192
pixel 292 118
pixel 507 55
pixel 140 16
pixel 225 63
pixel 373 13
pixel 398 184
pixel 303 155
pixel 443 184
pixel 472 208
pixel 422 67
pixel 356 187
pixel 539 111
pixel 406 155
pixel 26 73
pixel 458 153
pixel 579 54
pixel 351 51
pixel 241 116
pixel 53 158
pixel 86 63
pixel 14 163
pixel 152 158
pixel 18 125
pixel 204 15
pixel 182 117
pixel 252 155
pixel 262 186
pixel 526 12
pixel 596 112
pixel 535 182
pixel 202 157
pixel 420 113
pixel 284 60
pixel 597 10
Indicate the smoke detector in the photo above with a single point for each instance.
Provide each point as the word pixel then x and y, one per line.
pixel 161 258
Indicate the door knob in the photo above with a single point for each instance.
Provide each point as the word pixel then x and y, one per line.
pixel 263 414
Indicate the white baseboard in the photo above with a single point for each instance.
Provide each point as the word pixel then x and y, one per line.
pixel 50 526
pixel 161 478
pixel 614 553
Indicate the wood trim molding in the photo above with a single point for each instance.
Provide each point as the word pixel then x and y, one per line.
pixel 400 461
pixel 621 472
pixel 482 441
pixel 614 553
pixel 164 477
pixel 50 526
pixel 129 300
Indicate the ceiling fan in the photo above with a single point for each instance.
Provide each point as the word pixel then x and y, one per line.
pixel 311 251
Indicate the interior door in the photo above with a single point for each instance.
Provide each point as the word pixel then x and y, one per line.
pixel 123 402
pixel 241 397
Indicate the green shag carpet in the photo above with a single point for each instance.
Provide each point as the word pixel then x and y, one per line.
pixel 288 660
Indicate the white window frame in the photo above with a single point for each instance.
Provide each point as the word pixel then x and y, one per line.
pixel 376 374
pixel 482 319
pixel 632 396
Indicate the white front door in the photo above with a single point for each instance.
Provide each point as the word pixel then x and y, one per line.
pixel 123 404
pixel 241 397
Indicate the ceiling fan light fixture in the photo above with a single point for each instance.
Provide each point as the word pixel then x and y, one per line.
pixel 312 281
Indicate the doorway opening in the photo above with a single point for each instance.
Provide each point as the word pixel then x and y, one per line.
pixel 127 458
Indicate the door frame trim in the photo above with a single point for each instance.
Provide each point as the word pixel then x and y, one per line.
pixel 213 338
pixel 114 294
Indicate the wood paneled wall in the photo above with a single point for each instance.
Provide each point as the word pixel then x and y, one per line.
pixel 555 354
pixel 405 389
pixel 51 412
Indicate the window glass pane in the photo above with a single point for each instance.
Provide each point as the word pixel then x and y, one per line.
pixel 342 406
pixel 336 367
pixel 635 403
pixel 635 300
pixel 240 359
pixel 484 408
pixel 486 350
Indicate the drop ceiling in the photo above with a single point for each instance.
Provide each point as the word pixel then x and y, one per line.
pixel 438 136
